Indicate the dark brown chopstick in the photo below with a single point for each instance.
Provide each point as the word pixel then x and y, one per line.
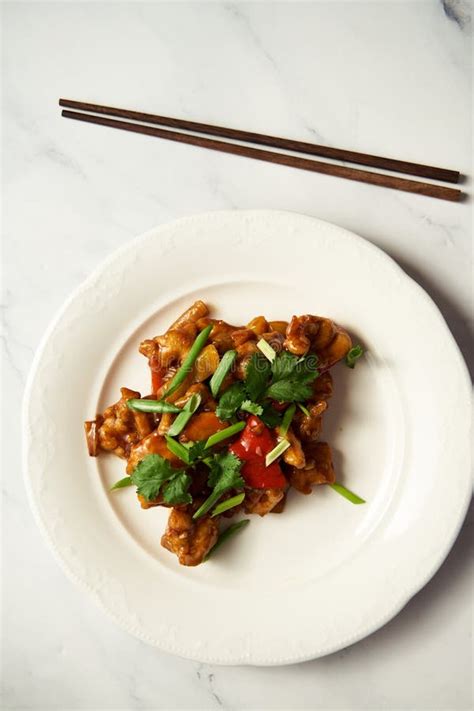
pixel 399 166
pixel 364 176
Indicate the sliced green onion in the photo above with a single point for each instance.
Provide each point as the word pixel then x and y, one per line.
pixel 221 371
pixel 304 410
pixel 185 415
pixel 228 504
pixel 276 451
pixel 122 483
pixel 353 356
pixel 266 349
pixel 188 362
pixel 208 503
pixel 151 405
pixel 224 434
pixel 349 495
pixel 287 418
pixel 178 449
pixel 227 534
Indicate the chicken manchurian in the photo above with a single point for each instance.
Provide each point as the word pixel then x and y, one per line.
pixel 232 423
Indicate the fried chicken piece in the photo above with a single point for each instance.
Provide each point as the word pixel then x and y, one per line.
pixel 259 325
pixel 189 540
pixel 262 501
pixel 195 312
pixel 151 347
pixel 242 335
pixel 244 353
pixel 294 455
pixel 308 427
pixel 147 504
pixel 206 363
pixel 319 335
pixel 119 428
pixel 322 388
pixel 280 507
pixel 319 468
pixel 221 334
pixel 154 443
pixel 201 426
pixel 279 326
pixel 208 403
pixel 275 339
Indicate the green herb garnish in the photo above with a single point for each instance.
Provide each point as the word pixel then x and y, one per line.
pixel 292 378
pixel 270 417
pixel 122 483
pixel 252 407
pixel 347 494
pixel 257 375
pixel 176 490
pixel 276 451
pixel 222 369
pixel 224 434
pixel 225 535
pixel 185 415
pixel 353 356
pixel 224 475
pixel 151 406
pixel 286 379
pixel 188 362
pixel 196 450
pixel 231 401
pixel 153 472
pixel 286 421
pixel 228 504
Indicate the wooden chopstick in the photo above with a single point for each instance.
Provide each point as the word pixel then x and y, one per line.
pixel 364 176
pixel 399 166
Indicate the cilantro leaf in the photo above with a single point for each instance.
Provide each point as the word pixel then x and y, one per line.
pixel 270 417
pixel 196 450
pixel 176 490
pixel 284 365
pixel 230 401
pixel 252 407
pixel 225 472
pixel 292 378
pixel 291 390
pixel 224 475
pixel 257 375
pixel 150 474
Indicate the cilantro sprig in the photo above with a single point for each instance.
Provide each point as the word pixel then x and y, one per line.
pixel 292 378
pixel 286 378
pixel 252 407
pixel 224 475
pixel 155 475
pixel 231 401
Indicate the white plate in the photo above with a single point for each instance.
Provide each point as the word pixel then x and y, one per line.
pixel 323 574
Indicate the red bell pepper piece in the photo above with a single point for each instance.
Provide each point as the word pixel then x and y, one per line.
pixel 255 442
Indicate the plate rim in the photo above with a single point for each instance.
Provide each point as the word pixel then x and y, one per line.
pixel 130 246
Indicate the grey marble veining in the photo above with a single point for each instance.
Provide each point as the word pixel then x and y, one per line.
pixel 387 78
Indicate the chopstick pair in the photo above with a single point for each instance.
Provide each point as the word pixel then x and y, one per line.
pixel 96 114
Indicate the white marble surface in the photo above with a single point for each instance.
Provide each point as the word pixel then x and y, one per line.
pixel 390 78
